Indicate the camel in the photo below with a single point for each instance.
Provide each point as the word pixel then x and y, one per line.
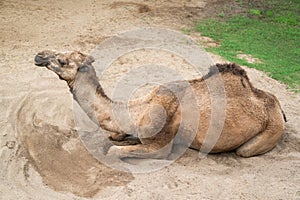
pixel 254 120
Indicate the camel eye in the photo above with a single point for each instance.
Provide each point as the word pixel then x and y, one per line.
pixel 62 62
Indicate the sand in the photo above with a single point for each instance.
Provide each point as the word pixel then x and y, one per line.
pixel 41 156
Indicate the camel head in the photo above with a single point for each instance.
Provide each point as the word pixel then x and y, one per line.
pixel 65 65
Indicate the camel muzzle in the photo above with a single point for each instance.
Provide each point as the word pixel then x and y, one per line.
pixel 40 61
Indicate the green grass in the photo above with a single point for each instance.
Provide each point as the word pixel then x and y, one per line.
pixel 271 34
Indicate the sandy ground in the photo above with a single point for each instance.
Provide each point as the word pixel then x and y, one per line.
pixel 41 156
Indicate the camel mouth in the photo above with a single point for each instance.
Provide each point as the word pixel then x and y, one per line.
pixel 41 61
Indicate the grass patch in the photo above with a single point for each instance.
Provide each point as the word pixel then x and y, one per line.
pixel 269 33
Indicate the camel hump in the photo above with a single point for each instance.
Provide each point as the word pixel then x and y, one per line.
pixel 232 68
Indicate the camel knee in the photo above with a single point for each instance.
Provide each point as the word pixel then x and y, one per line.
pixel 118 136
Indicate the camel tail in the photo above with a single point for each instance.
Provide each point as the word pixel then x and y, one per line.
pixel 284 116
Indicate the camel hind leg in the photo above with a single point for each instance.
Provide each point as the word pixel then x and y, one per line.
pixel 259 144
pixel 266 140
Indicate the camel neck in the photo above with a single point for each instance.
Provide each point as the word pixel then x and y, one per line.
pixel 100 91
pixel 71 85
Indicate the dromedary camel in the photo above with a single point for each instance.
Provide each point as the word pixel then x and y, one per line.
pixel 253 125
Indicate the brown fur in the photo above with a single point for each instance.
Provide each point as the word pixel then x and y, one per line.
pixel 253 124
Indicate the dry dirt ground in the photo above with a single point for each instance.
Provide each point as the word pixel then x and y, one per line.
pixel 41 156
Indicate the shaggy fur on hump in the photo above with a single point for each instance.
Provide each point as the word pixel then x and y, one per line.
pixel 232 68
pixel 227 68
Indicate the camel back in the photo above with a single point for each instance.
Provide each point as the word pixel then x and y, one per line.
pixel 270 99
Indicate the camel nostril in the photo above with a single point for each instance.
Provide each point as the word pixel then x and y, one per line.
pixel 62 62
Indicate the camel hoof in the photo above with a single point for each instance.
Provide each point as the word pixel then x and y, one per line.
pixel 114 151
pixel 245 154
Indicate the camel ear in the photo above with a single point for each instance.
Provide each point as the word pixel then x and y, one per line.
pixel 83 68
pixel 90 59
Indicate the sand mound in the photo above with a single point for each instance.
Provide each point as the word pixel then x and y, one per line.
pixel 47 140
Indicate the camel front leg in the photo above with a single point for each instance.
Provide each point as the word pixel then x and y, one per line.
pixel 117 136
pixel 140 151
pixel 127 140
